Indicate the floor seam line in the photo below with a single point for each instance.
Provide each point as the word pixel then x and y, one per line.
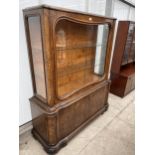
pixel 106 125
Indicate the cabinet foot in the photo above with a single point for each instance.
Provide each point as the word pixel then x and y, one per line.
pixel 105 108
pixel 50 149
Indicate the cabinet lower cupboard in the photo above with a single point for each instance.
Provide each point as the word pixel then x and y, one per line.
pixel 69 55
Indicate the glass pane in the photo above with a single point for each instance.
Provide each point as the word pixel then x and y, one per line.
pixel 133 49
pixel 37 54
pixel 81 51
pixel 127 57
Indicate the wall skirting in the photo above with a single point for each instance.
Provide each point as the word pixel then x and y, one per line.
pixel 25 127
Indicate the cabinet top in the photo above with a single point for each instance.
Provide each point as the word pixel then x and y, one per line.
pixel 64 10
pixel 128 21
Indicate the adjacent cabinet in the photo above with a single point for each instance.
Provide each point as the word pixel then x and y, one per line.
pixel 123 63
pixel 69 55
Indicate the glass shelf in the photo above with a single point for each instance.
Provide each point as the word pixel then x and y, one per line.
pixel 61 48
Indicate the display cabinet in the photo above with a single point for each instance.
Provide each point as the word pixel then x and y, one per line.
pixel 69 55
pixel 123 63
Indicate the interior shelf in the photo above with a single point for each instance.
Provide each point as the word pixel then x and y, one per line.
pixel 83 46
pixel 71 84
pixel 127 70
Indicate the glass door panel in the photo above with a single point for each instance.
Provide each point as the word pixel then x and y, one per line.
pixel 80 53
pixel 132 52
pixel 127 58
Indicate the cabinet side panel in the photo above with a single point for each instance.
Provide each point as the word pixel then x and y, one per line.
pixel 120 43
pixel 37 54
pixel 44 124
pixel 39 120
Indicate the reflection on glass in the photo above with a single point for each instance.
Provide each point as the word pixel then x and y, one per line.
pixel 128 55
pixel 102 37
pixel 37 54
pixel 81 51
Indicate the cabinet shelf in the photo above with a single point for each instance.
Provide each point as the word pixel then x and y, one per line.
pixel 127 70
pixel 73 85
pixel 62 48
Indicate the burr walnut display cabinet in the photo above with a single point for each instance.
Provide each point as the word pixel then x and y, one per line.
pixel 123 63
pixel 69 53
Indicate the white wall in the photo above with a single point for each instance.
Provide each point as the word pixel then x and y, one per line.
pixel 71 4
pixel 118 10
pixel 25 86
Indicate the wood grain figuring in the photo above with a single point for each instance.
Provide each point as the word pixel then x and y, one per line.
pixel 48 55
pixel 120 42
pixel 127 70
pixel 69 55
pixel 69 115
pixel 53 127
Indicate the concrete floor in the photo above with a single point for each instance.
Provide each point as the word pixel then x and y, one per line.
pixel 110 134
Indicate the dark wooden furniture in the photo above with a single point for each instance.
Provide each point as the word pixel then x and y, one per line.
pixel 69 55
pixel 123 63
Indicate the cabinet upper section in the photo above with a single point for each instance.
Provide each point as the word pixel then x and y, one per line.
pixel 69 51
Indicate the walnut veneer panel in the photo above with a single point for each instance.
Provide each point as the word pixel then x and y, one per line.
pixel 70 117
